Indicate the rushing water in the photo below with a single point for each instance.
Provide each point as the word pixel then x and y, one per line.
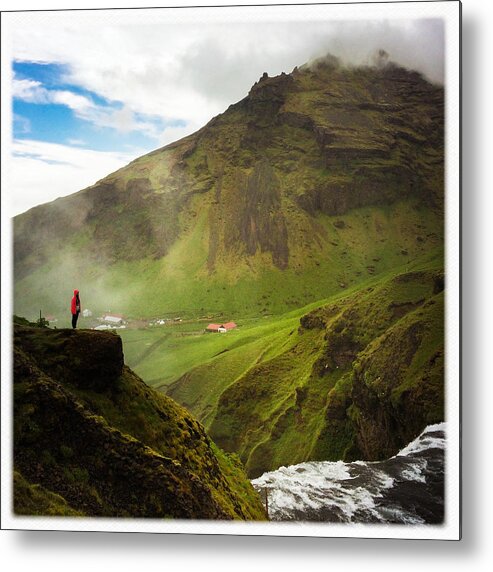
pixel 407 488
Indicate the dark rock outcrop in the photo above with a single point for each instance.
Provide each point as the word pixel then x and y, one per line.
pixel 90 438
pixel 86 359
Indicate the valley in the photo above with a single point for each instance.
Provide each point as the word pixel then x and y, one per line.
pixel 261 390
pixel 310 213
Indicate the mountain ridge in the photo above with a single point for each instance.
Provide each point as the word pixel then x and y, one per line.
pixel 252 197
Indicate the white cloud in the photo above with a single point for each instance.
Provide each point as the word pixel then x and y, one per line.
pixel 171 134
pixel 78 103
pixel 154 70
pixel 28 90
pixel 122 119
pixel 41 172
pixel 33 92
pixel 190 71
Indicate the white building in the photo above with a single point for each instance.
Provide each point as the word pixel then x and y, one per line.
pixel 113 318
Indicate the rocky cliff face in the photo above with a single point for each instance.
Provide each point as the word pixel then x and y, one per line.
pixel 90 438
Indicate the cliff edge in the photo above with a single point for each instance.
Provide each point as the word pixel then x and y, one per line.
pixel 92 439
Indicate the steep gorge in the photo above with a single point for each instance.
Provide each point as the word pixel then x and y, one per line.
pixel 359 378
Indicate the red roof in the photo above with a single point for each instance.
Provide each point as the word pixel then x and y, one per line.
pixel 217 327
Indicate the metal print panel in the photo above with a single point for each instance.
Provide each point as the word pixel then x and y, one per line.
pixel 230 235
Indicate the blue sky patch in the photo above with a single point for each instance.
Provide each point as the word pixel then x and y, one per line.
pixel 97 127
pixel 54 76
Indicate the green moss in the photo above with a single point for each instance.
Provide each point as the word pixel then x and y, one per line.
pixel 119 448
pixel 35 500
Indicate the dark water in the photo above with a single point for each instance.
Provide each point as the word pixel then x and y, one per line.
pixel 407 488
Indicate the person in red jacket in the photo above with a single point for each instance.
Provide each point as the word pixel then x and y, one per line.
pixel 75 307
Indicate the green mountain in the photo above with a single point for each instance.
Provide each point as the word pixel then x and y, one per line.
pixel 91 439
pixel 315 181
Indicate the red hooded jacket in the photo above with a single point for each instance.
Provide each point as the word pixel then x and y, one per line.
pixel 73 306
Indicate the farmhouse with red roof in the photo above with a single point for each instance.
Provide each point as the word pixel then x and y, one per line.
pixel 221 328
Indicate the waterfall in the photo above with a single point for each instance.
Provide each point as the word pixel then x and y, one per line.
pixel 408 488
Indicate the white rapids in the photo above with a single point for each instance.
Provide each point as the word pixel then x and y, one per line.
pixel 408 488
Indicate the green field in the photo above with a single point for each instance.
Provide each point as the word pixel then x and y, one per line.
pixel 270 361
pixel 161 354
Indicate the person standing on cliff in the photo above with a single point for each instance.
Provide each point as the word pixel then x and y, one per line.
pixel 75 308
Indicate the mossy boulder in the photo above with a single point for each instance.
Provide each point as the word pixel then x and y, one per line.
pixel 86 358
pixel 91 438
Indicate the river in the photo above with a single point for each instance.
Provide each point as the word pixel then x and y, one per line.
pixel 408 488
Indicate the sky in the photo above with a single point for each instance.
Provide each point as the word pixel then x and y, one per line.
pixel 92 90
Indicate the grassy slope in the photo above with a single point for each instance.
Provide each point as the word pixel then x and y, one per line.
pixel 259 388
pixel 35 500
pixel 358 247
pixel 160 355
pixel 373 240
pixel 166 427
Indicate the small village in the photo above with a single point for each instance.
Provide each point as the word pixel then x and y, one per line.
pixel 115 321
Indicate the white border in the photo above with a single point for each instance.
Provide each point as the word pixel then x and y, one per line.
pixel 449 12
